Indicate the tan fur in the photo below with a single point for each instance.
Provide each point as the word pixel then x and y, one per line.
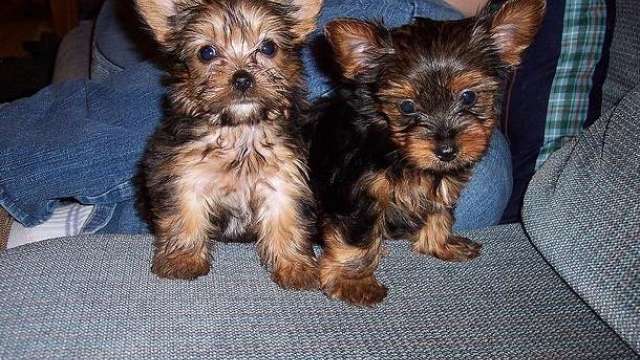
pixel 514 27
pixel 249 171
pixel 307 15
pixel 227 164
pixel 156 13
pixel 184 251
pixel 474 141
pixel 448 191
pixel 356 44
pixel 431 239
pixel 419 150
pixel 379 187
pixel 407 192
pixel 237 52
pixel 237 38
pixel 181 264
pixel 468 80
pixel 346 272
pixel 436 239
pixel 233 165
pixel 436 97
pixel 283 243
pixel 413 189
pixel 397 89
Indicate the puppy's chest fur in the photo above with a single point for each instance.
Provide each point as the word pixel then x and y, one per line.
pixel 406 201
pixel 242 172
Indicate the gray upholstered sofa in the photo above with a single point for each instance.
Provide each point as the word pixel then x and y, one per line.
pixel 564 284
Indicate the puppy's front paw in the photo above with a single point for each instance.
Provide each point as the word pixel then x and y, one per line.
pixel 297 276
pixel 365 291
pixel 457 248
pixel 186 266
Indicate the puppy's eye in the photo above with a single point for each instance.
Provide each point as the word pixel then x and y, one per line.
pixel 408 107
pixel 268 48
pixel 468 98
pixel 208 53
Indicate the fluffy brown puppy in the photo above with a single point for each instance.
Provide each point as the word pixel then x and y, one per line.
pixel 422 101
pixel 228 163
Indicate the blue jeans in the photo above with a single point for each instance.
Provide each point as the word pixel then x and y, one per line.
pixel 82 140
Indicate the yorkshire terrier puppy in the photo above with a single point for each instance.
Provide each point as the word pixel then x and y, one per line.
pixel 228 162
pixel 421 101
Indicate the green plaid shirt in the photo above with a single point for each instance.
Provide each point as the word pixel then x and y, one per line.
pixel 582 41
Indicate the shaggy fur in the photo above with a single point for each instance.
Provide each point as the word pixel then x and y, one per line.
pixel 422 101
pixel 228 163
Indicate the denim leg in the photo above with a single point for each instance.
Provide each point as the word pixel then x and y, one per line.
pixel 125 220
pixel 77 140
pixel 119 41
pixel 485 197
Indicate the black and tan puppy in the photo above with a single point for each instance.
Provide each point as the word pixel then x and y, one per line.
pixel 422 101
pixel 228 163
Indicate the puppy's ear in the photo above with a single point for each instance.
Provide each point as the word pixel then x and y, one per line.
pixel 359 46
pixel 514 26
pixel 306 13
pixel 158 14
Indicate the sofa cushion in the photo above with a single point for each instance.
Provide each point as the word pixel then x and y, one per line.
pixel 623 73
pixel 582 211
pixel 93 297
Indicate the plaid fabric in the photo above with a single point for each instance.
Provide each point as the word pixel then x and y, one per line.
pixel 582 41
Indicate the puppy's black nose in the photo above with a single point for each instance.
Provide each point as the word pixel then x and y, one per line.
pixel 242 81
pixel 446 151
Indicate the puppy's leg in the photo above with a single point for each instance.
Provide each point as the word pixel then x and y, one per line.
pixel 346 270
pixel 285 226
pixel 435 238
pixel 182 237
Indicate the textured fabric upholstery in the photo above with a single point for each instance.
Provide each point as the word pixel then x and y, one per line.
pixel 582 212
pixel 94 297
pixel 624 62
